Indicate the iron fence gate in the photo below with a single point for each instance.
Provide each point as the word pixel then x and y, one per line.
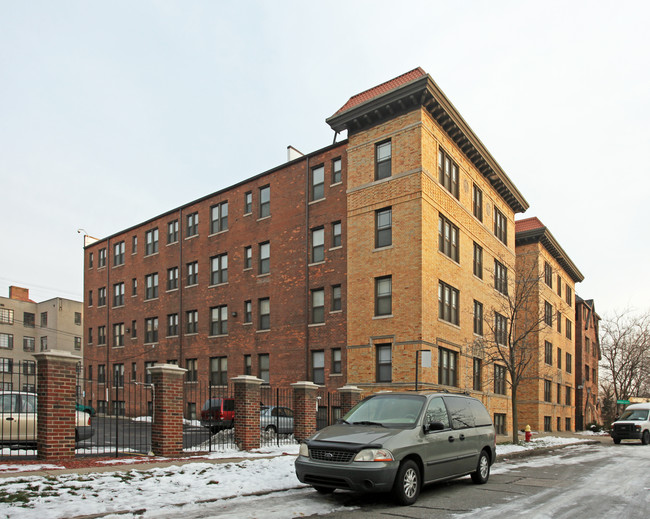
pixel 18 406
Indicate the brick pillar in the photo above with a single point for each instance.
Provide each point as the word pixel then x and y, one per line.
pixel 167 424
pixel 56 380
pixel 247 412
pixel 304 409
pixel 350 396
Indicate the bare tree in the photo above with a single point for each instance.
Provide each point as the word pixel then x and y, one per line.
pixel 625 350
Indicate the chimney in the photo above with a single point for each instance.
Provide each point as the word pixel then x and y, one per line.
pixel 293 153
pixel 19 294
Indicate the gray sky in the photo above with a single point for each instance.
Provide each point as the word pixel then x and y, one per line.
pixel 114 112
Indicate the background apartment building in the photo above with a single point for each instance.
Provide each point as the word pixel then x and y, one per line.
pixel 587 358
pixel 546 398
pixel 27 327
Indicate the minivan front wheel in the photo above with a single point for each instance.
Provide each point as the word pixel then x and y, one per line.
pixel 482 473
pixel 645 439
pixel 407 483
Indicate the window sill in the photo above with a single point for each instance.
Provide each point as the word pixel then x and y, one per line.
pixel 316 263
pixel 248 214
pixel 263 218
pixel 117 266
pixel 192 285
pixel 218 285
pixel 336 248
pixel 382 316
pixel 151 299
pixel 152 254
pixel 315 325
pixel 172 243
pixel 336 311
pixel 216 233
pixel 312 202
pixel 335 375
pixel 448 257
pixel 379 249
pixel 263 331
pixel 191 334
pixel 191 237
pixel 247 324
pixel 266 274
pixel 457 326
pixel 171 290
pixel 336 183
pixel 216 336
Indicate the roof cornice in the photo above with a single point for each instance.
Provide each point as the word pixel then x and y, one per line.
pixel 424 92
pixel 544 236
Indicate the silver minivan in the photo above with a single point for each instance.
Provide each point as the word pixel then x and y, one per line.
pixel 398 442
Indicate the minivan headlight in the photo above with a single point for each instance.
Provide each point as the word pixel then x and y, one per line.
pixel 304 450
pixel 374 455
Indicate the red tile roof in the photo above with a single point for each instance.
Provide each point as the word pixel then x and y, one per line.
pixel 378 90
pixel 528 224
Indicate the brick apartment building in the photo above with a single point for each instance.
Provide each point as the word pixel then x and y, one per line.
pixel 588 356
pixel 546 398
pixel 27 327
pixel 336 267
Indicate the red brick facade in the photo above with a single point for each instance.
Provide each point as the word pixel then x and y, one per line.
pixel 588 410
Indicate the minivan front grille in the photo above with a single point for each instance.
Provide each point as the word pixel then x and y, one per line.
pixel 332 456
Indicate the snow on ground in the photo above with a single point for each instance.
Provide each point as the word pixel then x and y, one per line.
pixel 162 490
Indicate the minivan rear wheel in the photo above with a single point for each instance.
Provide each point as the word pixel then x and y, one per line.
pixel 406 488
pixel 482 473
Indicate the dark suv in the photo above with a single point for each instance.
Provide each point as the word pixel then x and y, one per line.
pixel 218 414
pixel 398 442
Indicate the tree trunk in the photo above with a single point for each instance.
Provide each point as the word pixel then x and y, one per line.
pixel 515 421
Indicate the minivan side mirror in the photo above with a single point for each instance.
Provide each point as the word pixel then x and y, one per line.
pixel 435 426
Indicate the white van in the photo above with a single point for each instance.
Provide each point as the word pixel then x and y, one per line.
pixel 633 424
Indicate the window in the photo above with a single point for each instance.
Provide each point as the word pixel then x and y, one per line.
pixel 29 344
pixel 134 329
pixel 499 379
pixel 500 226
pixel 448 172
pixel 548 353
pixel 172 232
pixel 547 390
pixel 151 330
pixel 383 227
pixel 192 273
pixel 191 373
pixel 568 329
pixel 219 320
pixel 476 375
pixel 500 277
pixel 101 335
pixel 477 202
pixel 448 303
pixel 318 182
pixel 102 258
pixel 219 217
pixel 219 371
pixel 559 358
pixel 448 238
pixel 147 374
pixel 567 401
pixel 548 275
pixel 248 365
pixel 318 367
pixel 559 285
pixel 172 325
pixel 336 298
pixel 500 328
pixel 265 258
pixel 264 367
pixel 318 306
pixel 151 286
pixel 118 254
pixel 172 278
pixel 265 201
pixel 192 224
pixel 118 335
pixel 478 318
pixel 248 257
pixel 43 319
pixel 134 287
pixel 118 375
pixel 447 362
pixel 587 372
pixel 264 314
pixel 134 245
pixel 43 343
pixel 548 313
pixel 191 322
pixel 336 360
pixel 101 296
pixel 317 245
pixel 29 367
pixel 101 374
pixel 7 341
pixel 336 171
pixel 336 234
pixel 384 363
pixel 91 257
pixel 77 318
pixel 568 295
pixel 219 269
pixel 383 156
pixel 384 296
pixel 558 320
pixel 29 319
pixel 151 242
pixel 118 294
pixel 500 423
pixel 248 202
pixel 478 261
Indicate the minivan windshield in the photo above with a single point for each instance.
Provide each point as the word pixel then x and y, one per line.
pixel 634 415
pixel 387 411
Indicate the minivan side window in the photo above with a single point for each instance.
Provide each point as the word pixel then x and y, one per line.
pixel 461 414
pixel 437 412
pixel 481 415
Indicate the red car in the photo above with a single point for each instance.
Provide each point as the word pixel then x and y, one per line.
pixel 218 414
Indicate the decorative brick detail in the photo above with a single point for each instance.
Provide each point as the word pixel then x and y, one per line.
pixel 304 409
pixel 56 404
pixel 350 396
pixel 247 412
pixel 167 425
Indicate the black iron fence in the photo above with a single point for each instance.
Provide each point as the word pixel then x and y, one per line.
pixel 18 406
pixel 329 408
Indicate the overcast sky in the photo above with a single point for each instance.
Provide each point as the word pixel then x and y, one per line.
pixel 114 112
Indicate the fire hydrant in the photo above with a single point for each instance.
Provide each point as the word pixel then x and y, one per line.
pixel 528 433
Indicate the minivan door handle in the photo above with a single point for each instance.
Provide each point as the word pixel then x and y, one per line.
pixel 10 419
pixel 451 439
pixel 462 437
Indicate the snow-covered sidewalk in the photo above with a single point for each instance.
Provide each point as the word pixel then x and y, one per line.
pixel 151 492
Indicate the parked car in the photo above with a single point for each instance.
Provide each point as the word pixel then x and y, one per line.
pixel 398 442
pixel 18 412
pixel 633 424
pixel 218 414
pixel 276 419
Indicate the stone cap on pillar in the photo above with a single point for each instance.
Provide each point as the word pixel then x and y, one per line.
pixel 64 356
pixel 350 389
pixel 305 385
pixel 167 368
pixel 247 379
